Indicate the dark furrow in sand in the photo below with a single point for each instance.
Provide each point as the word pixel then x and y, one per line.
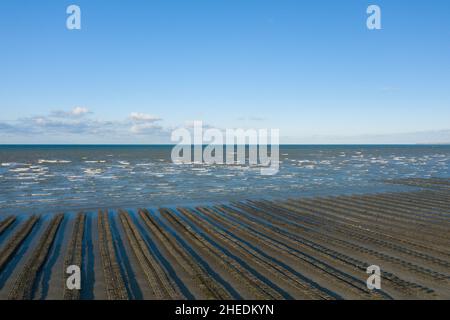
pixel 264 242
pixel 271 265
pixel 23 287
pixel 387 218
pixel 419 182
pixel 421 201
pixel 259 289
pixel 421 198
pixel 377 217
pixel 421 211
pixel 339 245
pixel 74 255
pixel 338 255
pixel 429 211
pixel 445 194
pixel 386 208
pixel 368 222
pixel 50 270
pixel 134 279
pixel 161 284
pixel 355 227
pixel 5 224
pixel 115 287
pixel 327 239
pixel 204 258
pixel 327 229
pixel 210 288
pixel 16 240
pixel 306 252
pixel 239 250
pixel 441 189
pixel 249 259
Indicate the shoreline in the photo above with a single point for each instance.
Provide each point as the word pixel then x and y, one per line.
pixel 382 187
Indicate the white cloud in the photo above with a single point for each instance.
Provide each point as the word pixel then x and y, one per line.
pixel 143 117
pixel 145 128
pixel 143 123
pixel 76 112
pixel 78 122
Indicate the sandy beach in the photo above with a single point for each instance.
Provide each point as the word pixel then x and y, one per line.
pixel 298 248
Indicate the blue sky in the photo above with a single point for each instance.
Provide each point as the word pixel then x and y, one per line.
pixel 138 69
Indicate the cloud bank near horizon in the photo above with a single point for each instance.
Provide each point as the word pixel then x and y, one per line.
pixel 80 126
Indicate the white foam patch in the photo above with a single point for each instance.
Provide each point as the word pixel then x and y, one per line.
pixel 53 161
pixel 19 170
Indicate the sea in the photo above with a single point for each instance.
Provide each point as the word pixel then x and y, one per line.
pixel 61 178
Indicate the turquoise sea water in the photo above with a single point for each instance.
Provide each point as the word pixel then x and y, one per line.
pixel 60 178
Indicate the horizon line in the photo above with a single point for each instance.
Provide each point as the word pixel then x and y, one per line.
pixel 173 144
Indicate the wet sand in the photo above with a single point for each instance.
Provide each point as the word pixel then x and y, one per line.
pixel 298 248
